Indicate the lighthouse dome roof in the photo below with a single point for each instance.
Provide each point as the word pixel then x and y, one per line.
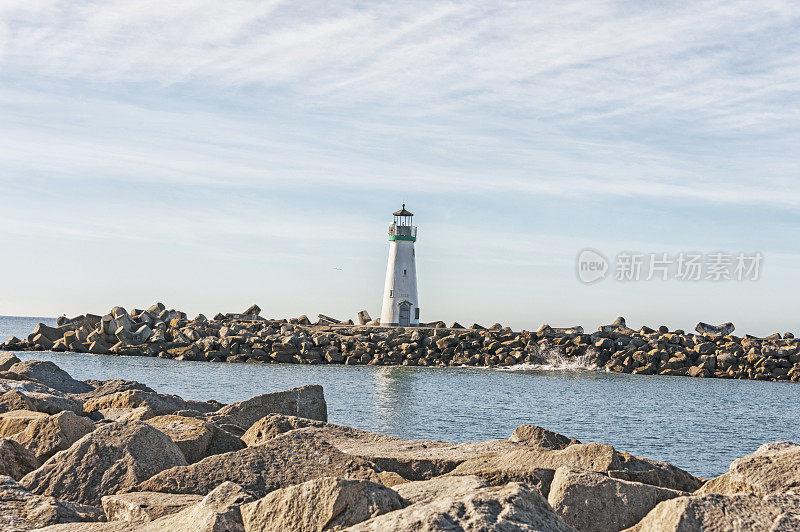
pixel 403 212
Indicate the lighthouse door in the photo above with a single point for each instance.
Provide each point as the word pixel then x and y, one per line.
pixel 405 314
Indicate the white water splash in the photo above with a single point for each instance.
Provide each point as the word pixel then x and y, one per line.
pixel 553 360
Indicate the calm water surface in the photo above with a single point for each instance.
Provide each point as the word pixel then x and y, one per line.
pixel 698 424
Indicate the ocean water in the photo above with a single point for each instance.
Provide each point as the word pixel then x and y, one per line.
pixel 698 424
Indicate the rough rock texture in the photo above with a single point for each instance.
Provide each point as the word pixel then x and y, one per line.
pixel 593 502
pixel 50 375
pixel 219 511
pixel 540 438
pixel 191 435
pixel 28 395
pixel 145 506
pixel 23 510
pixel 436 488
pixel 113 457
pixel 272 425
pixel 160 404
pixel 320 504
pixel 15 460
pixel 523 463
pixel 715 512
pixel 305 401
pixel 514 506
pixel 288 459
pixel 44 434
pixel 413 460
pixel 773 468
pixel 7 360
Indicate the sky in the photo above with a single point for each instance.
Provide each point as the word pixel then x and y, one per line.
pixel 211 155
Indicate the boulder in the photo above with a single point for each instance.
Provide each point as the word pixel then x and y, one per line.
pixel 219 511
pixel 160 404
pixel 528 465
pixel 272 425
pixel 306 401
pixel 715 330
pixel 7 360
pixel 423 491
pixel 23 510
pixel 514 506
pixel 320 504
pixel 50 375
pixel 15 460
pixel 413 460
pixel 44 434
pixel 113 457
pixel 191 435
pixel 145 505
pixel 742 511
pixel 541 438
pixel 773 468
pixel 27 395
pixel 288 459
pixel 593 502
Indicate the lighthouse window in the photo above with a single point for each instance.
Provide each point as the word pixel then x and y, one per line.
pixel 416 313
pixel 404 272
pixel 391 293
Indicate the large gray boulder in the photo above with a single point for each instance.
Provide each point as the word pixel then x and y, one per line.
pixel 23 510
pixel 305 401
pixel 191 435
pixel 50 375
pixel 715 512
pixel 773 468
pixel 7 360
pixel 44 434
pixel 112 458
pixel 423 491
pixel 159 404
pixel 15 460
pixel 514 506
pixel 523 463
pixel 273 425
pixel 219 511
pixel 321 504
pixel 593 502
pixel 29 395
pixel 145 505
pixel 288 459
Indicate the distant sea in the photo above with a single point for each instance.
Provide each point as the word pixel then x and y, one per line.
pixel 698 424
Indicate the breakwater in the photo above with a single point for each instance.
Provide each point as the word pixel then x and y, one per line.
pixel 710 351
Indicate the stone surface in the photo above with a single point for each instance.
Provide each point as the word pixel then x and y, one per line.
pixel 305 401
pixel 219 511
pixel 28 395
pixel 191 435
pixel 541 438
pixel 514 506
pixel 50 375
pixel 773 468
pixel 439 487
pixel 160 404
pixel 321 504
pixel 44 434
pixel 527 465
pixel 272 425
pixel 145 506
pixel 7 360
pixel 15 460
pixel 113 457
pixel 593 502
pixel 23 510
pixel 715 512
pixel 288 459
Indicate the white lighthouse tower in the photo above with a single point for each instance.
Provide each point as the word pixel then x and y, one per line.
pixel 400 304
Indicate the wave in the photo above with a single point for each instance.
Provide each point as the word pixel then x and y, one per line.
pixel 554 360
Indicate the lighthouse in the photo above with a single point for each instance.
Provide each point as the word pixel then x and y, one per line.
pixel 400 304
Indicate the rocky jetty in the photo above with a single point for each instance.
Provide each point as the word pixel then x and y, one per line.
pixel 710 351
pixel 126 458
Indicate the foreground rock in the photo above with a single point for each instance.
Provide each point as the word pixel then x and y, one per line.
pixel 541 438
pixel 28 395
pixel 44 434
pixel 593 502
pixel 50 375
pixel 514 506
pixel 273 425
pixel 773 468
pixel 113 457
pixel 743 511
pixel 145 506
pixel 321 504
pixel 156 403
pixel 535 466
pixel 15 460
pixel 217 511
pixel 305 401
pixel 288 459
pixel 23 510
pixel 191 435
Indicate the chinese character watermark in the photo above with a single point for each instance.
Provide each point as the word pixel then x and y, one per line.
pixel 715 266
